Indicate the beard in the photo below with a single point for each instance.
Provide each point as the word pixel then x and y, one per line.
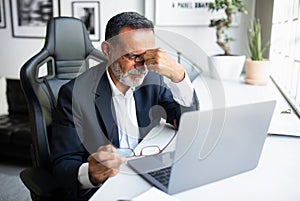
pixel 131 78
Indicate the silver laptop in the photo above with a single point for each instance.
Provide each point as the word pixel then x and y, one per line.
pixel 211 145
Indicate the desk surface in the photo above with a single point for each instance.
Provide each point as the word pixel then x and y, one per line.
pixel 276 178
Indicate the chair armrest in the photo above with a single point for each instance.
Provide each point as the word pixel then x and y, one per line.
pixel 40 182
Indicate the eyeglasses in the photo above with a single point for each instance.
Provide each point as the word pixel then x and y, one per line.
pixel 138 58
pixel 145 151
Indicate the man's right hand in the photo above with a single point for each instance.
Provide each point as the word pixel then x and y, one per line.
pixel 103 164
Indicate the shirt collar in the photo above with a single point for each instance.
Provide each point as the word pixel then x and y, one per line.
pixel 115 90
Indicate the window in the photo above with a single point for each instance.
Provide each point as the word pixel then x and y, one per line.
pixel 285 50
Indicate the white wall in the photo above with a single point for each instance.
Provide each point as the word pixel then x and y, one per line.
pixel 15 51
pixel 264 11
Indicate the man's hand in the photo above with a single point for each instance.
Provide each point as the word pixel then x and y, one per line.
pixel 160 62
pixel 103 164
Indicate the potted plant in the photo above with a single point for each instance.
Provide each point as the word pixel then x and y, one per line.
pixel 257 68
pixel 227 65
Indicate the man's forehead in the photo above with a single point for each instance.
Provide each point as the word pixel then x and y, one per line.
pixel 130 40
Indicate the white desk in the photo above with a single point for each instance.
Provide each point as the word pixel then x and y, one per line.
pixel 277 177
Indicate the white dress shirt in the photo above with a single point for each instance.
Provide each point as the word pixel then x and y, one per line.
pixel 128 129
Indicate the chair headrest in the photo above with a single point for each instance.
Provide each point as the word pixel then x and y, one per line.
pixel 67 39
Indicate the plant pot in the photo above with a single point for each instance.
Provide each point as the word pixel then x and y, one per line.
pixel 257 72
pixel 226 67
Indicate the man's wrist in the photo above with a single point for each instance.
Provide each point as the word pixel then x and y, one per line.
pixel 84 178
pixel 183 91
pixel 178 76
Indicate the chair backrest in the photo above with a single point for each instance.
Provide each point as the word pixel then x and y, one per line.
pixel 65 55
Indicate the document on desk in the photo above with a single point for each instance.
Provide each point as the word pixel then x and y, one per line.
pixel 154 194
pixel 159 136
pixel 285 124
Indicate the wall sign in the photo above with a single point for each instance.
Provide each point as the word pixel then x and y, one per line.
pixel 184 13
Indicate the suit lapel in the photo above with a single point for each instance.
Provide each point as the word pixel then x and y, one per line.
pixel 104 105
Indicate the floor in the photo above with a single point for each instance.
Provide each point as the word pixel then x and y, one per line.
pixel 12 188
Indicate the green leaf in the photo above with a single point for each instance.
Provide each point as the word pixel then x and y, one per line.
pixel 254 41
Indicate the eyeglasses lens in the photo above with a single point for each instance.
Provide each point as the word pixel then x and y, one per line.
pixel 125 153
pixel 151 150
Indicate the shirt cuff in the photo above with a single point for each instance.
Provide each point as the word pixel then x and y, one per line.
pixel 83 177
pixel 183 91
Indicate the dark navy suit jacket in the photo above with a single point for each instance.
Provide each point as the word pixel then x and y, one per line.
pixel 84 119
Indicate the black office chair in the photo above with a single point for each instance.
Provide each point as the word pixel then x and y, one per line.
pixel 66 54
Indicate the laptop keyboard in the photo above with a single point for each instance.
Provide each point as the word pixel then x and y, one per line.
pixel 162 175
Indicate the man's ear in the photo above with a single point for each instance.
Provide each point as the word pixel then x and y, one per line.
pixel 106 49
